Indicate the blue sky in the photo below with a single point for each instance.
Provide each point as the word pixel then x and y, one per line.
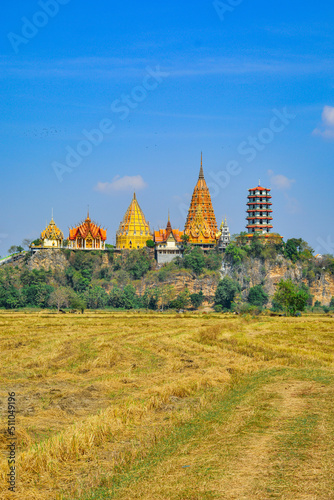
pixel 140 89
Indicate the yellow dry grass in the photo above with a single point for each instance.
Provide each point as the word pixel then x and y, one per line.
pixel 101 396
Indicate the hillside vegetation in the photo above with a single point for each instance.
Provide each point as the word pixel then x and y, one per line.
pixel 131 280
pixel 155 406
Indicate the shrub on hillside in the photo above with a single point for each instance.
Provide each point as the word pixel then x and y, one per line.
pixel 257 296
pixel 290 297
pixel 96 297
pixel 226 290
pixel 181 301
pixel 193 258
pixel 196 299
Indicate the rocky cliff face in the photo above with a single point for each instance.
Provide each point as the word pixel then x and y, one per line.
pixel 48 259
pixel 184 279
pixel 249 273
pixel 259 272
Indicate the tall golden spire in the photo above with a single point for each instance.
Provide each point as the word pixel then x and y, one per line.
pixel 201 225
pixel 201 173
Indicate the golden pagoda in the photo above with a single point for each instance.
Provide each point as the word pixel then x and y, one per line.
pixel 201 225
pixel 52 236
pixel 133 231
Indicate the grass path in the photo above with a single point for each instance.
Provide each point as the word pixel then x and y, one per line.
pixel 267 438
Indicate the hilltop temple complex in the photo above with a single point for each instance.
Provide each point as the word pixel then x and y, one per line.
pixel 200 228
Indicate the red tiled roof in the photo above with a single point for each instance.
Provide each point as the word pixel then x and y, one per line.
pixel 259 187
pixel 162 235
pixel 88 227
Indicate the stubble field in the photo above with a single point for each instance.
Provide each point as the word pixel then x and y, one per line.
pixel 168 406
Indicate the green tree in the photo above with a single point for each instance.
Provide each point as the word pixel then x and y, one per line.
pixel 185 239
pixel 235 253
pixel 130 300
pixel 290 297
pixel 10 298
pixel 136 262
pixel 194 259
pixel 256 246
pixel 96 297
pixel 226 290
pixel 115 297
pixel 150 244
pixel 257 296
pixel 79 280
pixel 196 299
pixel 331 305
pixel 37 295
pixel 213 260
pixel 181 301
pixel 150 298
pixel 292 248
pixel 297 249
pixel 77 302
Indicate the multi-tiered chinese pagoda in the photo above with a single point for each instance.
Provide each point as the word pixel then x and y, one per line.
pixel 259 210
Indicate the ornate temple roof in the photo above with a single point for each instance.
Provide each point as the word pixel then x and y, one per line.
pixel 87 227
pixel 52 232
pixel 201 199
pixel 261 188
pixel 162 235
pixel 134 222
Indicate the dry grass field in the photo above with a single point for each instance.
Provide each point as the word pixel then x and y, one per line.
pixel 168 406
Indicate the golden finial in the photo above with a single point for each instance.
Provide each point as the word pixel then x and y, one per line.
pixel 201 174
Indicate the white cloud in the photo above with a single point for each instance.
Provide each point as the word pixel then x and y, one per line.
pixel 326 129
pixel 126 183
pixel 280 181
pixel 327 133
pixel 328 115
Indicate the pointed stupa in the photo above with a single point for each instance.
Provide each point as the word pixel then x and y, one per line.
pixel 201 199
pixel 133 231
pixel 52 236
